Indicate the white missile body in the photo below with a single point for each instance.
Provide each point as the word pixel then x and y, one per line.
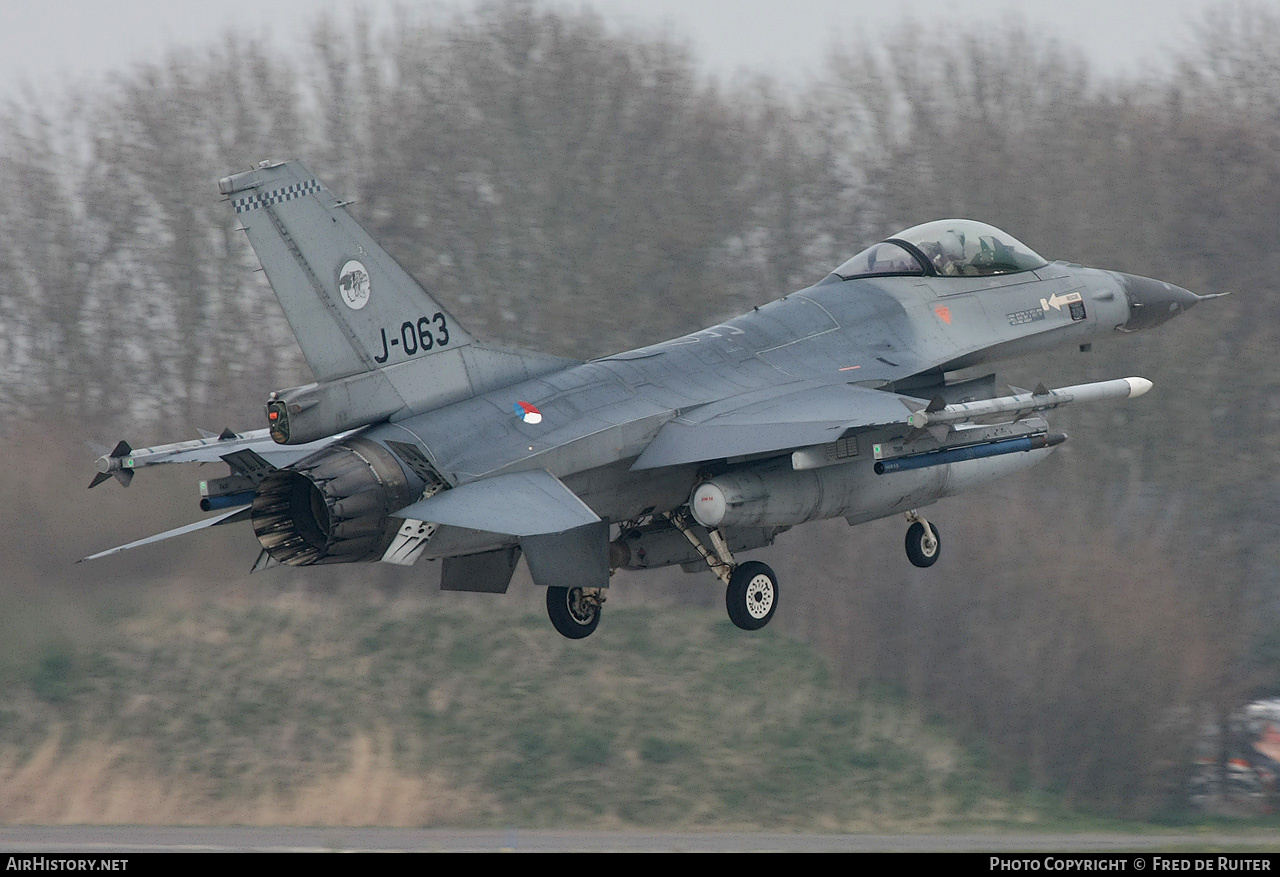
pixel 1120 388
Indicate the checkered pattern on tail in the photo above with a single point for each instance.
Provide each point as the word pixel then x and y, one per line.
pixel 277 196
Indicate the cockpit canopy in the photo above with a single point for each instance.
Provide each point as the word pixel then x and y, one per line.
pixel 945 248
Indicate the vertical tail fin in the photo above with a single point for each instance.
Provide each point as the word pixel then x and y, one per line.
pixel 352 307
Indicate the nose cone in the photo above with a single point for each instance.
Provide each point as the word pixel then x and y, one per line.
pixel 1152 302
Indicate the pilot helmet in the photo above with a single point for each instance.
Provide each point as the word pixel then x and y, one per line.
pixel 952 244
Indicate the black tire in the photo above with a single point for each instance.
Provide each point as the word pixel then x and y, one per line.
pixel 917 551
pixel 752 595
pixel 569 615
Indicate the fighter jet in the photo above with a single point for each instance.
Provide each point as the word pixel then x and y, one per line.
pixel 418 442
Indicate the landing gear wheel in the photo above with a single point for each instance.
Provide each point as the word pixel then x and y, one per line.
pixel 752 595
pixel 573 612
pixel 923 549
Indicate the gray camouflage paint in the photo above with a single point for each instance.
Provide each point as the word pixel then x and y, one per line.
pixel 630 435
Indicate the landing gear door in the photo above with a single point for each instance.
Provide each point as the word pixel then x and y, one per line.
pixel 577 558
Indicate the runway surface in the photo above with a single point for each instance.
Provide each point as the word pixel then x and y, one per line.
pixel 124 839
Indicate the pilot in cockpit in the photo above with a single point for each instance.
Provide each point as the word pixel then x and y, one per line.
pixel 948 254
pixel 952 248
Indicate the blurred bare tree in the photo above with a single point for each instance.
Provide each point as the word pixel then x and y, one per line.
pixel 568 187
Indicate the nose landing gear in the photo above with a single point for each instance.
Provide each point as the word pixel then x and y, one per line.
pixel 752 595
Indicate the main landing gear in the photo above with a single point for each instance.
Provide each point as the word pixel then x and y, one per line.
pixel 923 543
pixel 751 588
pixel 575 612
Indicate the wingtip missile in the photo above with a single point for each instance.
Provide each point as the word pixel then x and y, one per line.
pixel 114 463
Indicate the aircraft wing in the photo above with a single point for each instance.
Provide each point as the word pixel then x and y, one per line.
pixel 816 415
pixel 738 427
pixel 242 448
pixel 530 503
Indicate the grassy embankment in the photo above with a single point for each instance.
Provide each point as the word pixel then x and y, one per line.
pixel 325 710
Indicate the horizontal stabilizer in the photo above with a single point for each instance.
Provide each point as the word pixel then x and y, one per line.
pixel 227 517
pixel 517 504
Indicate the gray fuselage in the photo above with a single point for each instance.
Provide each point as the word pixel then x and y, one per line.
pixel 597 417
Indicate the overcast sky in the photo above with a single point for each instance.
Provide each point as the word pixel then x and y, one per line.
pixel 55 42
